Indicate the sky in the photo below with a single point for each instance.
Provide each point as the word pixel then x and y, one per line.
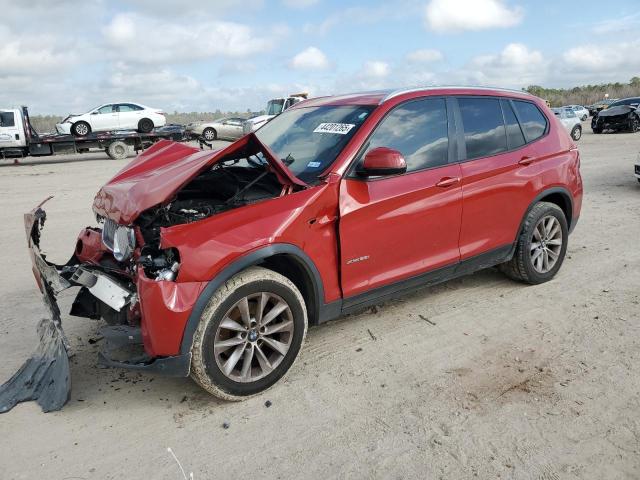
pixel 68 56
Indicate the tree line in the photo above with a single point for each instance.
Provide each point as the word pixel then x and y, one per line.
pixel 586 94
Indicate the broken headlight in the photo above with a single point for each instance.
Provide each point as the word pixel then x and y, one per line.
pixel 124 243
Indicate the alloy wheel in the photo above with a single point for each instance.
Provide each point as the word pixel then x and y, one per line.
pixel 253 337
pixel 546 244
pixel 81 129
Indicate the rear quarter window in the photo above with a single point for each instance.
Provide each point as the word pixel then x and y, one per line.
pixel 533 122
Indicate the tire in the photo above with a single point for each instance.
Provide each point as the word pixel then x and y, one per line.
pixel 145 125
pixel 584 117
pixel 522 266
pixel 634 124
pixel 81 129
pixel 117 150
pixel 208 362
pixel 209 134
pixel 576 132
pixel 597 131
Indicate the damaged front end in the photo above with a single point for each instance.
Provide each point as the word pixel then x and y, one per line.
pixel 127 274
pixel 45 377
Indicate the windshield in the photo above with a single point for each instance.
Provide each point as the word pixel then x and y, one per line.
pixel 308 140
pixel 274 107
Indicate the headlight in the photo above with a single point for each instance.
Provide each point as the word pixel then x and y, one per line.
pixel 124 242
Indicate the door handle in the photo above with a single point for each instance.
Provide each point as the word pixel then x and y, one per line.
pixel 526 160
pixel 447 182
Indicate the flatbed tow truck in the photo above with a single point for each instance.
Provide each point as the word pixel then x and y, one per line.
pixel 18 139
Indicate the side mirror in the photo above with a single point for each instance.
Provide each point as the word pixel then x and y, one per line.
pixel 382 161
pixel 95 112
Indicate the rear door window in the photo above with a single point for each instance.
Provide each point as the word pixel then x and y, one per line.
pixel 418 130
pixel 484 131
pixel 534 123
pixel 515 137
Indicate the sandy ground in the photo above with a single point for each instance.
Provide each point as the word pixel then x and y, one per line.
pixel 512 381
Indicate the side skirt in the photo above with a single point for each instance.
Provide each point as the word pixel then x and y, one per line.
pixel 388 292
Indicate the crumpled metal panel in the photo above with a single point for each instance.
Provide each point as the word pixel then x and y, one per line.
pixel 45 376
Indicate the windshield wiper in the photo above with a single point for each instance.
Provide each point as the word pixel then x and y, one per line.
pixel 288 160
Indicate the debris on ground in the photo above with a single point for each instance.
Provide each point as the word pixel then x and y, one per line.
pixel 268 403
pixel 427 320
pixel 373 337
pixel 226 425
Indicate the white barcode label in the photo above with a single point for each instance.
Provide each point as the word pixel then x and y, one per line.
pixel 339 128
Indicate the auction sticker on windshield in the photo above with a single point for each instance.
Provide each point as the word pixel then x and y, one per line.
pixel 339 128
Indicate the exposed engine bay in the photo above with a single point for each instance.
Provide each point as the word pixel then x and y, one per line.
pixel 226 185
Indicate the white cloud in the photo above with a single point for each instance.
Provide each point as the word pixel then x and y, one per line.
pixel 427 55
pixel 18 58
pixel 516 65
pixel 376 69
pixel 143 39
pixel 604 57
pixel 445 16
pixel 299 3
pixel 311 58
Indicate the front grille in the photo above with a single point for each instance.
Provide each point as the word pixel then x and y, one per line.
pixel 109 232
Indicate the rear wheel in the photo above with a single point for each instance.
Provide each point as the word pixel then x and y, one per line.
pixel 576 133
pixel 249 334
pixel 209 134
pixel 541 246
pixel 145 125
pixel 117 150
pixel 81 129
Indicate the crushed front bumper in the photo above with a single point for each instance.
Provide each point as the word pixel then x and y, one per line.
pixel 45 377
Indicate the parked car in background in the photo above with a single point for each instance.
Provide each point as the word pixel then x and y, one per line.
pixel 570 121
pixel 218 262
pixel 113 116
pixel 636 168
pixel 275 107
pixel 229 128
pixel 634 101
pixel 600 105
pixel 581 111
pixel 621 117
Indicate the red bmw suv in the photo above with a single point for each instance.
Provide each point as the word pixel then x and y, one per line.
pixel 217 262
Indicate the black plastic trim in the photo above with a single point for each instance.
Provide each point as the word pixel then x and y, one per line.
pixel 317 311
pixel 443 274
pixel 561 190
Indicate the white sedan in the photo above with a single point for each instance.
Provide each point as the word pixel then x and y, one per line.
pixel 569 121
pixel 113 116
pixel 581 111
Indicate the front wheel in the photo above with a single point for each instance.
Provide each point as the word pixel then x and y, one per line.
pixel 249 334
pixel 634 124
pixel 541 246
pixel 576 133
pixel 209 134
pixel 80 129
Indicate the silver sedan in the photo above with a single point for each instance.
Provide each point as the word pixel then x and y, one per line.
pixel 222 129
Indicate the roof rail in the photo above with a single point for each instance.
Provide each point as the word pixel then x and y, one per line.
pixel 402 91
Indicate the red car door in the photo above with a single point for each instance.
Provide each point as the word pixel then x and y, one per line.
pixel 498 181
pixel 393 228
